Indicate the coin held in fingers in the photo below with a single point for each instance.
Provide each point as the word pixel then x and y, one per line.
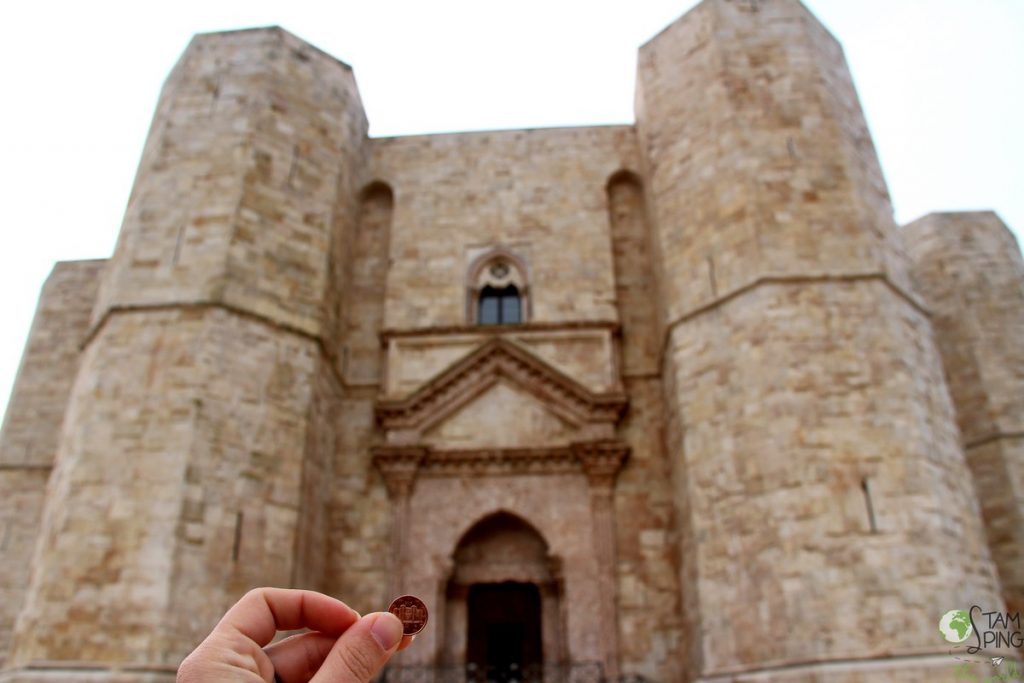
pixel 411 611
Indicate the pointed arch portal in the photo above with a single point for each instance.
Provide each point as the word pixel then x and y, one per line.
pixel 503 598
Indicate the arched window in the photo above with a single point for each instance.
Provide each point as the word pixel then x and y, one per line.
pixel 497 289
pixel 499 306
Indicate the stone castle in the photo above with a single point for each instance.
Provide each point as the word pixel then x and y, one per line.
pixel 674 400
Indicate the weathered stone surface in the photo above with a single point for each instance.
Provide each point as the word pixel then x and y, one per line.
pixel 780 421
pixel 759 162
pixel 969 269
pixel 32 425
pixel 255 136
pixel 22 496
pixel 802 378
pixel 179 483
pixel 197 459
pixel 527 190
pixel 719 444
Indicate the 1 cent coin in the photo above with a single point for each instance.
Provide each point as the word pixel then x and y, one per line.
pixel 411 611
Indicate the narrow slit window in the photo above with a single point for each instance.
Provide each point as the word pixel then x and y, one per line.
pixel 237 547
pixel 865 486
pixel 499 306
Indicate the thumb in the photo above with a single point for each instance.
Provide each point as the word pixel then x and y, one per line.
pixel 362 650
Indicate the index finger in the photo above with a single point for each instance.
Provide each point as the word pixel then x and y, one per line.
pixel 262 612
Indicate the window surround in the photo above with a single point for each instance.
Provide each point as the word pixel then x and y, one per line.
pixel 497 268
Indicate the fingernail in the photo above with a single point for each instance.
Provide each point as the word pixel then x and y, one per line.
pixel 386 630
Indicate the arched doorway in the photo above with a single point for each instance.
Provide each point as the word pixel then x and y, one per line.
pixel 504 627
pixel 503 607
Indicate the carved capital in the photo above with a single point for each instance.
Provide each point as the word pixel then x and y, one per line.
pixel 398 465
pixel 601 462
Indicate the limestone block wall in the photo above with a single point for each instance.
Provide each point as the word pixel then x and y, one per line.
pixel 199 446
pixel 649 604
pixel 359 540
pixel 36 409
pixel 801 374
pixel 311 566
pixel 369 262
pixel 969 270
pixel 32 424
pixel 179 484
pixel 651 623
pixel 777 444
pixel 540 193
pixel 759 162
pixel 236 195
pixel 636 285
pixel 22 496
pixel 357 508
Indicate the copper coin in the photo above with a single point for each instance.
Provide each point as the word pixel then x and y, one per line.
pixel 411 611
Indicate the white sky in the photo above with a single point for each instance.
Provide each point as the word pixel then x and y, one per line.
pixel 940 81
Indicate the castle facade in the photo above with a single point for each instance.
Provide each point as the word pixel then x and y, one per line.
pixel 674 400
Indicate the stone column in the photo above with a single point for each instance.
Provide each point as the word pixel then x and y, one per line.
pixel 601 463
pixel 552 638
pixel 455 623
pixel 398 466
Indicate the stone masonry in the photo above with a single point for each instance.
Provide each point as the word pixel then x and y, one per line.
pixel 742 427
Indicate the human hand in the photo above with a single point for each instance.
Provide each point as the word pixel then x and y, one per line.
pixel 341 646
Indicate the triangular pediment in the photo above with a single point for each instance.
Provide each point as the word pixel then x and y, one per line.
pixel 522 376
pixel 502 416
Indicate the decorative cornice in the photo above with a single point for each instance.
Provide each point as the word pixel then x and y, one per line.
pixel 989 438
pixel 470 376
pixel 324 348
pixel 26 466
pixel 401 465
pixel 200 305
pixel 498 461
pixel 495 330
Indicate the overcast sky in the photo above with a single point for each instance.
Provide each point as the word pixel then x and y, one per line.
pixel 940 81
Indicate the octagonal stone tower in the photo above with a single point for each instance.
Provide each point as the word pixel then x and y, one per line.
pixel 190 463
pixel 813 438
pixel 969 269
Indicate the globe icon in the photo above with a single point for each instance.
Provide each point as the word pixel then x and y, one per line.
pixel 955 626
